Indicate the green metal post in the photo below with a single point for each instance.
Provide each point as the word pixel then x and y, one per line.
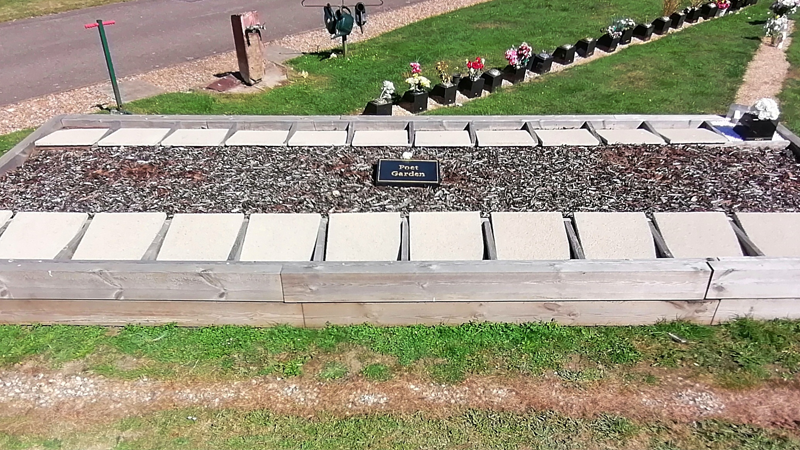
pixel 110 64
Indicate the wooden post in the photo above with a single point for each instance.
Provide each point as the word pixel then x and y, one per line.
pixel 249 48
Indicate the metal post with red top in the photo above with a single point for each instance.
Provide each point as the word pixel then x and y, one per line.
pixel 101 26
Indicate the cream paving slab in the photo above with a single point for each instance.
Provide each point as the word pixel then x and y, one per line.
pixel 617 235
pixel 442 139
pixel 575 137
pixel 691 136
pixel 76 137
pixel 280 237
pixel 446 236
pixel 311 138
pixel 4 216
pixel 266 138
pixel 630 137
pixel 363 237
pixel 775 234
pixel 201 237
pixel 525 236
pixel 381 138
pixel 119 236
pixel 134 137
pixel 40 235
pixel 698 234
pixel 505 138
pixel 196 138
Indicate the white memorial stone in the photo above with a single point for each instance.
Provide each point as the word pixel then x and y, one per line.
pixel 201 237
pixel 442 139
pixel 363 237
pixel 530 236
pixel 775 234
pixel 446 236
pixel 76 137
pixel 505 138
pixel 195 138
pixel 313 138
pixel 133 137
pixel 381 138
pixel 630 137
pixel 265 138
pixel 619 235
pixel 576 137
pixel 40 235
pixel 119 236
pixel 280 237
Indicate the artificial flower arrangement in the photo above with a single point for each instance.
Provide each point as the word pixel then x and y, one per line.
pixel 619 26
pixel 519 57
pixel 416 82
pixel 723 4
pixel 783 7
pixel 475 68
pixel 386 93
pixel 760 122
pixel 442 70
pixel 382 106
pixel 777 28
pixel 766 109
pixel 445 92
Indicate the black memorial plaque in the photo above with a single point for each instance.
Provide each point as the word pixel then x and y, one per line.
pixel 407 172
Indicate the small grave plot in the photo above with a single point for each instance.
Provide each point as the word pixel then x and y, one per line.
pixel 340 179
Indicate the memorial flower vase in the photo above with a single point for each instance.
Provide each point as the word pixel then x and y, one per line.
pixel 542 63
pixel 662 25
pixel 564 55
pixel 627 35
pixel 445 94
pixel 456 79
pixel 415 101
pixel 376 108
pixel 515 74
pixel 493 79
pixel 643 32
pixel 693 15
pixel 751 128
pixel 471 88
pixel 585 47
pixel 677 19
pixel 708 11
pixel 608 43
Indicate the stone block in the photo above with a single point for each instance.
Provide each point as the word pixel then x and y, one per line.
pixel 691 136
pixel 698 234
pixel 442 139
pixel 40 235
pixel 134 137
pixel 575 137
pixel 505 138
pixel 619 235
pixel 195 138
pixel 119 236
pixel 446 236
pixel 265 138
pixel 630 137
pixel 530 236
pixel 775 234
pixel 201 237
pixel 381 138
pixel 318 139
pixel 280 237
pixel 76 137
pixel 363 237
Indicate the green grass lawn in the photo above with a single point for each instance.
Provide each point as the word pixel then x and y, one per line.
pixel 22 9
pixel 790 96
pixel 8 141
pixel 472 429
pixel 741 352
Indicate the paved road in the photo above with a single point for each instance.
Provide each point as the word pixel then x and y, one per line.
pixel 55 53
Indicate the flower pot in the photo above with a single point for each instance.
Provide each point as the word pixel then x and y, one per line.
pixel 708 11
pixel 376 108
pixel 627 35
pixel 662 25
pixel 415 101
pixel 515 74
pixel 471 88
pixel 585 47
pixel 542 63
pixel 445 94
pixel 750 128
pixel 493 79
pixel 564 54
pixel 693 15
pixel 677 19
pixel 607 43
pixel 643 32
pixel 456 79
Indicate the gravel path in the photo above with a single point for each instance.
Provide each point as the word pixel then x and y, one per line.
pixel 766 72
pixel 324 180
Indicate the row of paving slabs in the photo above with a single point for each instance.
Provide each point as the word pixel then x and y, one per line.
pixel 420 134
pixel 420 236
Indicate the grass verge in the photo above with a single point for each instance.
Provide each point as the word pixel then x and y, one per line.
pixel 790 95
pixel 8 141
pixel 22 9
pixel 738 353
pixel 241 430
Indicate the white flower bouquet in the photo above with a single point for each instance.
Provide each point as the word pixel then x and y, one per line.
pixel 766 109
